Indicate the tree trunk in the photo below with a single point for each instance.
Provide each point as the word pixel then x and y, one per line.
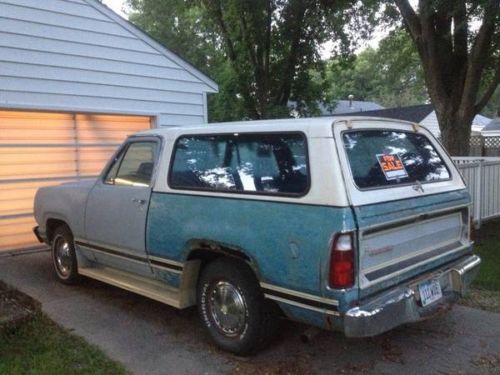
pixel 455 132
pixel 453 73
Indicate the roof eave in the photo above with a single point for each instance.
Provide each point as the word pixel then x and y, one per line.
pixel 212 85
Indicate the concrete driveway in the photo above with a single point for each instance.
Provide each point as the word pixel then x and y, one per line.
pixel 151 338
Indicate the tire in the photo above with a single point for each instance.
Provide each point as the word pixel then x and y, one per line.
pixel 232 307
pixel 64 256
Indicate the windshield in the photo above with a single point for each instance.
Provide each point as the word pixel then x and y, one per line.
pixel 380 158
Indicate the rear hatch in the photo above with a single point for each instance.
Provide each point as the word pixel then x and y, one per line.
pixel 410 202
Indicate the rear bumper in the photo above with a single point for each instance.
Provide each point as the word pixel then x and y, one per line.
pixel 402 305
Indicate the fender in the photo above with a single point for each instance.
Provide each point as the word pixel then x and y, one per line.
pixel 195 248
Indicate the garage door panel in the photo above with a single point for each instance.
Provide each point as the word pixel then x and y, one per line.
pixel 101 153
pixel 93 159
pixel 89 168
pixel 17 198
pixel 54 136
pixel 16 233
pixel 107 129
pixel 96 136
pixel 63 168
pixel 14 206
pixel 35 162
pixel 43 149
pixel 36 128
pixel 26 155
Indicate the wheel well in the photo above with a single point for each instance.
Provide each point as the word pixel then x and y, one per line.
pixel 52 225
pixel 207 255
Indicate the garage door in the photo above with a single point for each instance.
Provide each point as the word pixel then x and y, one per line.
pixel 42 149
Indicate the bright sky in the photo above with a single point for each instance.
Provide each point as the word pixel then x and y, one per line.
pixel 117 6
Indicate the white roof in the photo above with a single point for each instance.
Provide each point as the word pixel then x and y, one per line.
pixel 314 126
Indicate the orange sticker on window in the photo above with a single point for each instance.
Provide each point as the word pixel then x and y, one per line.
pixel 392 166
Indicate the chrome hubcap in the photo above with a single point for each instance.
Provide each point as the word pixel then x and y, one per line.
pixel 62 257
pixel 228 308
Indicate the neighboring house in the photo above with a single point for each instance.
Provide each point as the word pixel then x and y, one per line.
pixel 423 114
pixel 341 107
pixel 75 79
pixel 338 107
pixel 492 129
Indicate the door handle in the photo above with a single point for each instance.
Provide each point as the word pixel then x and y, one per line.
pixel 139 201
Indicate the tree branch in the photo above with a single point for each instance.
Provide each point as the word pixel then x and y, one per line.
pixel 298 9
pixel 245 35
pixel 267 52
pixel 216 9
pixel 461 29
pixel 478 54
pixel 489 91
pixel 410 18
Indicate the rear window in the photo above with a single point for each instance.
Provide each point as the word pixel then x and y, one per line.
pixel 380 158
pixel 242 163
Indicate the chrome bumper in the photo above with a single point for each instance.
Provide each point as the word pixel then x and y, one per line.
pixel 402 305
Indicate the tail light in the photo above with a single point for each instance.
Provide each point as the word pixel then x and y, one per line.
pixel 342 261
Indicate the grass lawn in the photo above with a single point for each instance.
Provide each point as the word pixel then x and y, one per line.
pixel 487 246
pixel 485 291
pixel 39 346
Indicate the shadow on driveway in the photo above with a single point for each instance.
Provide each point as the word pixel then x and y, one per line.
pixel 149 337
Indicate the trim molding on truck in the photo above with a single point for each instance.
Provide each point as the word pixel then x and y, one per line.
pixel 167 264
pixel 369 230
pixel 300 299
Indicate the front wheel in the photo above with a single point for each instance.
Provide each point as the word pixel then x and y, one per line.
pixel 232 306
pixel 64 256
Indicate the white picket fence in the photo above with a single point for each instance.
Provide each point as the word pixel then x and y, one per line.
pixel 482 176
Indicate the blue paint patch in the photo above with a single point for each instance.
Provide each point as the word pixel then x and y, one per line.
pixel 379 213
pixel 289 244
pixel 263 230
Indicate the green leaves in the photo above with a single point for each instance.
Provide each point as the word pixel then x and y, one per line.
pixel 390 75
pixel 262 53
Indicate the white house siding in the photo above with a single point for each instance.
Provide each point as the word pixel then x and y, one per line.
pixel 75 80
pixel 431 123
pixel 79 56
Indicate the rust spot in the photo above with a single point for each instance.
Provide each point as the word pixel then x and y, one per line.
pixel 328 322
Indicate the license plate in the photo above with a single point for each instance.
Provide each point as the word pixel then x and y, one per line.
pixel 430 291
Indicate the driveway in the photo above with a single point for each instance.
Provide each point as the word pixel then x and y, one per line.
pixel 148 337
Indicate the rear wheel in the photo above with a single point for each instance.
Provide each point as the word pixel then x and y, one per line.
pixel 232 306
pixel 64 256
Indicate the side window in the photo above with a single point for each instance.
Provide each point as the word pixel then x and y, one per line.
pixel 134 166
pixel 261 163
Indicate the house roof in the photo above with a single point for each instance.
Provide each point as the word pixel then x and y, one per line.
pixel 145 37
pixel 482 120
pixel 414 113
pixel 493 125
pixel 348 107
